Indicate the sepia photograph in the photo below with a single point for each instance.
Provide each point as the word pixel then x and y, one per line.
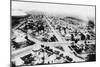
pixel 52 33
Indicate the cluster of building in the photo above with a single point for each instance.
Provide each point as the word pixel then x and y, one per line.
pixel 40 31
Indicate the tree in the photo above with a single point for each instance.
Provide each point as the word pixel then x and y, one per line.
pixel 90 25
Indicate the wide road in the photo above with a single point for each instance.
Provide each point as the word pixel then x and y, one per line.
pixel 68 51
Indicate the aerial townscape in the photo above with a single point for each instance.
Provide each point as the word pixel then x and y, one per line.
pixel 41 39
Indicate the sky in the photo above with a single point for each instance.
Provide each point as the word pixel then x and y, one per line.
pixel 20 8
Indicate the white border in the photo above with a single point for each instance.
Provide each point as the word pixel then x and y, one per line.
pixel 5 33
